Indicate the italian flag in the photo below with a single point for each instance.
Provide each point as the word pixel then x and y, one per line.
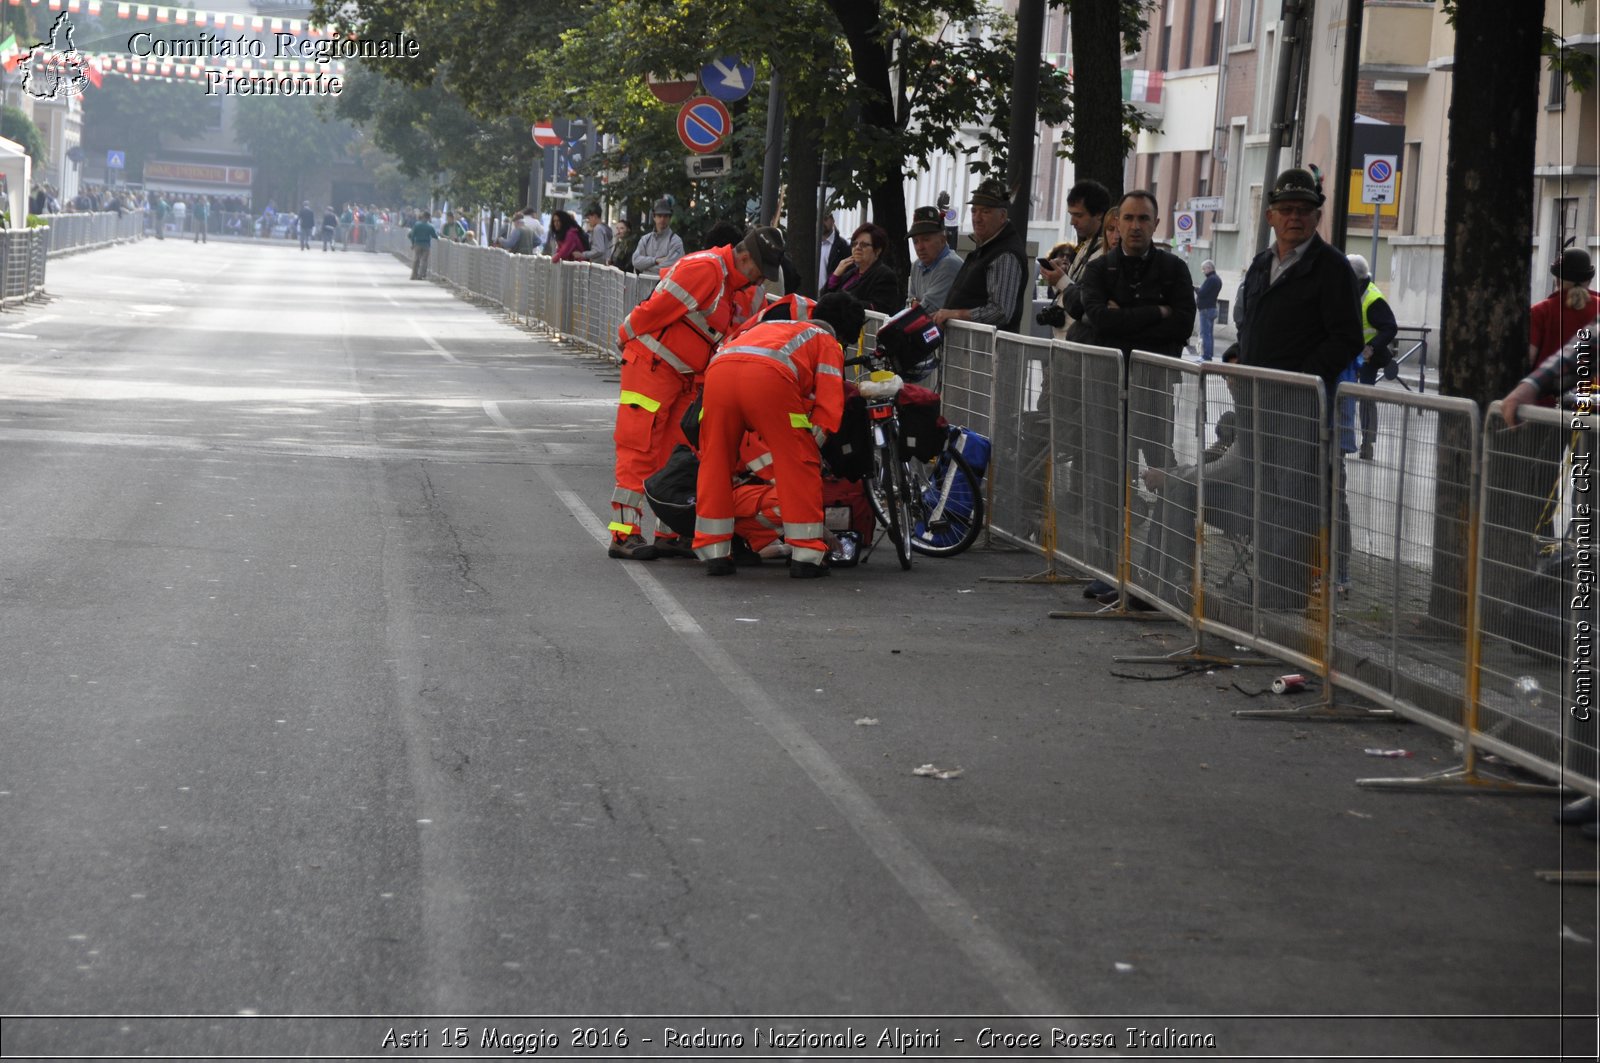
pixel 1142 86
pixel 9 52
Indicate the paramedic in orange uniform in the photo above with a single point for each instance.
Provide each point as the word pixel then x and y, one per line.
pixel 785 381
pixel 666 343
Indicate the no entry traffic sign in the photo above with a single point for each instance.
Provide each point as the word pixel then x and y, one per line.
pixel 670 88
pixel 545 135
pixel 703 124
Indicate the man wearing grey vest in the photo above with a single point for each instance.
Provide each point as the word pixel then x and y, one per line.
pixel 988 290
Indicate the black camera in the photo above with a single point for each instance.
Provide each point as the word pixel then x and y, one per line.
pixel 1053 315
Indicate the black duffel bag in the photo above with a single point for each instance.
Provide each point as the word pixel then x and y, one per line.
pixel 671 490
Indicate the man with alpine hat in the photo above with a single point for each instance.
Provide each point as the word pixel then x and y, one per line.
pixel 1300 315
pixel 666 342
pixel 988 288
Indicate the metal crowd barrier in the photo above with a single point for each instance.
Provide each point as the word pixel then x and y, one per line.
pixel 1532 703
pixel 1023 443
pixel 967 375
pixel 89 230
pixel 1400 546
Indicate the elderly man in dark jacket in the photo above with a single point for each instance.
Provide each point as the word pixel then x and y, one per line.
pixel 1299 314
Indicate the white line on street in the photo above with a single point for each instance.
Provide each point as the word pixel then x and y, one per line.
pixel 32 321
pixel 17 336
pixel 1012 975
pixel 431 342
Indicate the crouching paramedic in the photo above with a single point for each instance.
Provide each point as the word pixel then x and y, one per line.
pixel 667 342
pixel 783 380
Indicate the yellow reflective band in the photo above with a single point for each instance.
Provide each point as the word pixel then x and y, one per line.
pixel 799 420
pixel 644 402
pixel 620 529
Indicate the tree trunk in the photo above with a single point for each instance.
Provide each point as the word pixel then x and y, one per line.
pixel 1097 145
pixel 1483 338
pixel 805 170
pixel 869 58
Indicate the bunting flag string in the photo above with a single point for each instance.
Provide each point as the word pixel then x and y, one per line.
pixel 123 63
pixel 182 16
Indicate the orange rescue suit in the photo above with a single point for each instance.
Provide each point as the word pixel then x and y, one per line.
pixel 780 379
pixel 666 343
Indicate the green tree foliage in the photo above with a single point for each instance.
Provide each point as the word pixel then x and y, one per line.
pixel 133 116
pixel 289 136
pixel 14 125
pixel 876 114
pixel 437 143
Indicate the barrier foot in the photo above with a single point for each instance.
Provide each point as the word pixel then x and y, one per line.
pixel 1196 655
pixel 1570 878
pixel 1322 712
pixel 1113 612
pixel 1049 575
pixel 1462 780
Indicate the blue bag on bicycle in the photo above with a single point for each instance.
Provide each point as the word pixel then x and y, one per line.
pixel 974 448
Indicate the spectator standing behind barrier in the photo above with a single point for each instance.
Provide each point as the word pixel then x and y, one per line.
pixel 567 235
pixel 600 236
pixel 180 215
pixel 1300 315
pixel 1205 306
pixel 347 222
pixel 667 341
pixel 622 246
pixel 202 219
pixel 783 380
pixel 833 251
pixel 661 247
pixel 865 274
pixel 1378 330
pixel 423 234
pixel 935 266
pixel 988 288
pixel 1087 205
pixel 1139 296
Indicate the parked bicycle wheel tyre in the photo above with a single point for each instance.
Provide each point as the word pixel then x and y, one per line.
pixel 888 494
pixel 946 505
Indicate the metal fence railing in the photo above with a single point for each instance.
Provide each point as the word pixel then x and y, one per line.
pixel 89 230
pixel 1432 580
pixel 1400 544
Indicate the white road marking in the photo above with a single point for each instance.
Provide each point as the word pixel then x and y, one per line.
pixel 33 321
pixel 1012 975
pixel 431 342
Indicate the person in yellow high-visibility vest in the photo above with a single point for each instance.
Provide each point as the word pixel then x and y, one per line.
pixel 1378 329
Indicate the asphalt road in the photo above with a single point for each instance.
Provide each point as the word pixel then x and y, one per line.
pixel 320 697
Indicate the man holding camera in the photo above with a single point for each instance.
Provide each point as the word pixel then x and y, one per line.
pixel 1087 204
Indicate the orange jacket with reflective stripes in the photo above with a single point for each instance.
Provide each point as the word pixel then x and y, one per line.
pixel 688 314
pixel 805 350
pixel 788 308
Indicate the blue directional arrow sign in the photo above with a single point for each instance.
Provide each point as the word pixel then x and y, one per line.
pixel 727 79
pixel 703 124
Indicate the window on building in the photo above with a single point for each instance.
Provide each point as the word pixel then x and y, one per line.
pixel 1558 91
pixel 1565 215
pixel 1410 178
pixel 1164 52
pixel 1214 41
pixel 1244 31
pixel 1231 207
pixel 211 119
pixel 1190 11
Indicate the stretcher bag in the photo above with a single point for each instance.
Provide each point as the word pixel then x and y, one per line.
pixel 911 341
pixel 845 509
pixel 671 490
pixel 923 432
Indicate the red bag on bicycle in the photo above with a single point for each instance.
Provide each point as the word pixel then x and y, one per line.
pixel 848 451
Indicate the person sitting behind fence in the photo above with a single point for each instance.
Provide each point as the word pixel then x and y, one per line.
pixel 1170 538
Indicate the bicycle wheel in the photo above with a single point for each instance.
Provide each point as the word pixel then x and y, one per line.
pixel 888 492
pixel 946 506
pixel 900 512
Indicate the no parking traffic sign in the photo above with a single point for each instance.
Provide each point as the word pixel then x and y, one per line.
pixel 1183 223
pixel 1377 178
pixel 703 124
